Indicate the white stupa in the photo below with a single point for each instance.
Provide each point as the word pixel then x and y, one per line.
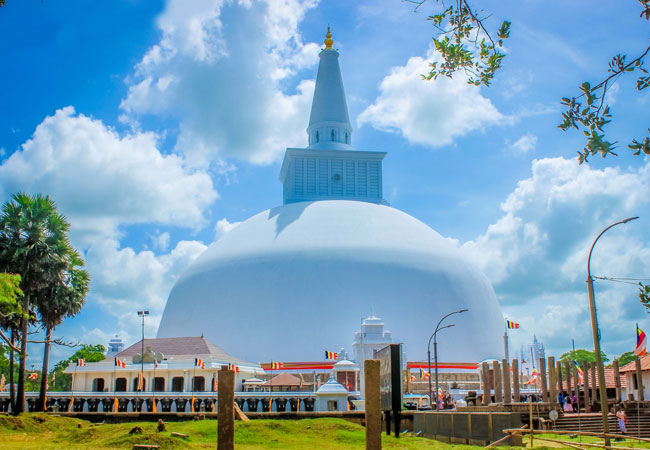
pixel 295 279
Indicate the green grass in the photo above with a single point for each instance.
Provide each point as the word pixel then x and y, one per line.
pixel 41 431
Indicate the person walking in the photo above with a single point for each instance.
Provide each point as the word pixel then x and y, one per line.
pixel 622 420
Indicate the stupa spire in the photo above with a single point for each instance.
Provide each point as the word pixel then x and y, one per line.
pixel 329 123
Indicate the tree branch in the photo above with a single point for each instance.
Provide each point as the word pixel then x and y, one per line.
pixel 8 342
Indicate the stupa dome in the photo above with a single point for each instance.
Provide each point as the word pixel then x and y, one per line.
pixel 293 280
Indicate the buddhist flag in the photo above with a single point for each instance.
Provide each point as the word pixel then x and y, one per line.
pixel 412 378
pixel 440 394
pixel 198 362
pixel 119 363
pixel 641 341
pixel 331 355
pixel 511 325
pixel 533 378
pixel 140 381
pixel 81 362
pixel 581 374
pixel 155 364
pixel 424 375
pixel 231 366
pixel 33 376
pixel 276 365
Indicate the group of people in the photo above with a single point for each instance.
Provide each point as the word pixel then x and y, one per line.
pixel 569 402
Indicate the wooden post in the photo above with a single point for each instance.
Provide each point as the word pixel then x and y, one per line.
pixel 576 384
pixel 617 380
pixel 515 380
pixel 567 373
pixel 373 404
pixel 552 384
pixel 594 383
pixel 639 381
pixel 542 376
pixel 558 375
pixel 226 411
pixel 585 372
pixel 507 392
pixel 485 378
pixel 498 393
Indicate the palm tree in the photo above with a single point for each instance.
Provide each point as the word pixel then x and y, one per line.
pixel 10 315
pixel 33 241
pixel 56 303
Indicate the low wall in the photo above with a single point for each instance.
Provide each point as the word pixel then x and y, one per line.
pixel 474 428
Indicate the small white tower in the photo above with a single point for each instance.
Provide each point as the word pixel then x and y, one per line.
pixel 371 338
pixel 115 346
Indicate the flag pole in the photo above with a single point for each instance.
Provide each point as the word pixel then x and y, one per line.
pixel 505 339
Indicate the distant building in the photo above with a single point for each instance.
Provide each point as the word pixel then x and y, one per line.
pixel 529 356
pixel 629 372
pixel 115 345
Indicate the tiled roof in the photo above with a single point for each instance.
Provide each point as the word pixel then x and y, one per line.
pixel 177 347
pixel 610 382
pixel 631 367
pixel 284 379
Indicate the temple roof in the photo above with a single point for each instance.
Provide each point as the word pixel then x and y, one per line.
pixel 177 347
pixel 631 366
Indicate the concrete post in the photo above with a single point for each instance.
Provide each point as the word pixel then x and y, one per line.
pixel 226 412
pixel 498 393
pixel 552 384
pixel 507 392
pixel 585 372
pixel 515 381
pixel 558 375
pixel 373 404
pixel 617 380
pixel 485 382
pixel 639 380
pixel 542 377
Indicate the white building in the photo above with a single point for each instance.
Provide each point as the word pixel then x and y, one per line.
pixel 629 372
pixel 115 346
pixel 177 372
pixel 296 278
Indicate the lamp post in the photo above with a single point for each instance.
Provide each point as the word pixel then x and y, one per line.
pixel 142 314
pixel 435 351
pixel 596 335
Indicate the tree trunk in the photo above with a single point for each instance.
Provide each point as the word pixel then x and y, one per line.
pixel 12 358
pixel 41 405
pixel 24 325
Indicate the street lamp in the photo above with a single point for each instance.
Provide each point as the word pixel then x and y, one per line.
pixel 596 335
pixel 435 351
pixel 142 314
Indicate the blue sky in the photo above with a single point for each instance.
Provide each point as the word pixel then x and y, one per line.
pixel 157 125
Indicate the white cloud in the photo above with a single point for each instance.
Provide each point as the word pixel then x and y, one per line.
pixel 223 79
pixel 524 144
pixel 223 226
pixel 101 180
pixel 431 113
pixel 536 253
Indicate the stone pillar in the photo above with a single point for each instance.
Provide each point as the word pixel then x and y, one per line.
pixel 558 375
pixel 617 380
pixel 585 373
pixel 373 404
pixel 552 384
pixel 498 393
pixel 567 373
pixel 515 381
pixel 639 380
pixel 576 384
pixel 226 411
pixel 485 382
pixel 507 392
pixel 542 377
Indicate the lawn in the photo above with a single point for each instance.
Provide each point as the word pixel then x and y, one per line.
pixel 42 431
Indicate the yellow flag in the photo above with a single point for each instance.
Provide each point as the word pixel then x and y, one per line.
pixel 192 405
pixel 115 404
pixel 155 409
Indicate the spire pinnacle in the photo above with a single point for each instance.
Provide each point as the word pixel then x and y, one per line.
pixel 328 40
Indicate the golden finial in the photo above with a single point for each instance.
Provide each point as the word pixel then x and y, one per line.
pixel 328 40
